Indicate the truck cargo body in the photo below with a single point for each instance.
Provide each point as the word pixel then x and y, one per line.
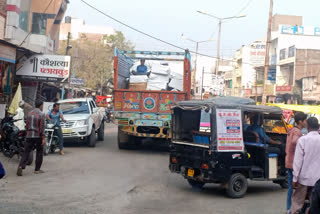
pixel 145 113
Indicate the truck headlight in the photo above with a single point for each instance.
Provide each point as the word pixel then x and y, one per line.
pixel 81 122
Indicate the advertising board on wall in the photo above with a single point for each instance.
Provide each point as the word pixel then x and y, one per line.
pixel 229 131
pixel 47 68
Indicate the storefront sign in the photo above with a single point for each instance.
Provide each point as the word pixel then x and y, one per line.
pixel 229 130
pixel 286 88
pixel 49 68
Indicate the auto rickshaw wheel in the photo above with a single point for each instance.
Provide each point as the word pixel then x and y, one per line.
pixel 237 186
pixel 196 184
pixel 284 184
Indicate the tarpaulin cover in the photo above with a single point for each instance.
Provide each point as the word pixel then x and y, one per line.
pixel 15 101
pixel 245 104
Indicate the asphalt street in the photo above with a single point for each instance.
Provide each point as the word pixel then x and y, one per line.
pixel 107 180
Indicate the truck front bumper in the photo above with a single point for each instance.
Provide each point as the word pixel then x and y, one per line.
pixel 164 132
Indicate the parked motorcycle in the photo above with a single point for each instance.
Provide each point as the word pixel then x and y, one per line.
pixel 13 140
pixel 52 139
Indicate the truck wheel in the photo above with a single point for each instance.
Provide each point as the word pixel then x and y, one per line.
pixel 101 132
pixel 30 158
pixel 123 140
pixel 196 184
pixel 92 138
pixel 237 186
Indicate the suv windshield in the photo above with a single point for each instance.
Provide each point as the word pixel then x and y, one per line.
pixel 74 108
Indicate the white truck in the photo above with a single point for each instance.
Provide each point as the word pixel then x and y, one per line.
pixel 83 120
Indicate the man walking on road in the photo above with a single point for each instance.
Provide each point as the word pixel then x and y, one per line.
pixel 35 138
pixel 293 135
pixel 306 165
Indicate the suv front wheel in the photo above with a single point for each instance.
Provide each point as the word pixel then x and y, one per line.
pixel 92 138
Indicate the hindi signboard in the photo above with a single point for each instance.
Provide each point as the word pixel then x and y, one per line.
pixel 229 130
pixel 48 68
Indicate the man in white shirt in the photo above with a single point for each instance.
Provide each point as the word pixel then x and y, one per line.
pixel 19 115
pixel 306 165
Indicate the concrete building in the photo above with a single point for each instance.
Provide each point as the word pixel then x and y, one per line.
pixel 78 29
pixel 245 78
pixel 27 27
pixel 294 53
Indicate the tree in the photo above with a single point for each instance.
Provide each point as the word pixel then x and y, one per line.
pixel 92 60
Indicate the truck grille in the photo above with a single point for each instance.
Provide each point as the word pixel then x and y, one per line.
pixel 68 124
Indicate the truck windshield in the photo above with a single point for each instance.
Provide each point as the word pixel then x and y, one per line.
pixel 74 108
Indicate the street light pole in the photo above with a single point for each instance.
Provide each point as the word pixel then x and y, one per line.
pixel 202 82
pixel 219 36
pixel 218 48
pixel 194 76
pixel 266 59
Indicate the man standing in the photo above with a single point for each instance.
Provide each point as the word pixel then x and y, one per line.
pixel 141 69
pixel 293 135
pixel 55 115
pixel 35 138
pixel 306 165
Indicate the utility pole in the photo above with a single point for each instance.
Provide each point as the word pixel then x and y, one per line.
pixel 195 70
pixel 218 48
pixel 67 53
pixel 202 82
pixel 266 60
pixel 101 81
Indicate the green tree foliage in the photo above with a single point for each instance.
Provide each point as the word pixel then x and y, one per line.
pixel 92 60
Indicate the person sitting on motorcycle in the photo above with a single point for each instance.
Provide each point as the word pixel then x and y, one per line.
pixel 55 115
pixel 19 116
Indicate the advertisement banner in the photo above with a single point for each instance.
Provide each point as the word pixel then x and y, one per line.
pixel 48 68
pixel 229 130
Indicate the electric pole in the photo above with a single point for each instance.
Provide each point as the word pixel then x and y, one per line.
pixel 67 53
pixel 266 60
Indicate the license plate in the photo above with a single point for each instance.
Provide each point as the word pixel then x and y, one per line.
pixel 66 131
pixel 190 172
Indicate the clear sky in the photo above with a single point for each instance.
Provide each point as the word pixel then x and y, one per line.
pixel 168 19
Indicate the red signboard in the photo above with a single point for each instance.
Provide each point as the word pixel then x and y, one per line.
pixel 287 114
pixel 284 88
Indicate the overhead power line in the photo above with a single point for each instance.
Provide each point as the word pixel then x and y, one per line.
pixel 174 45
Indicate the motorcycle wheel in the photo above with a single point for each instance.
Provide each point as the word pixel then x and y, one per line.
pixel 46 147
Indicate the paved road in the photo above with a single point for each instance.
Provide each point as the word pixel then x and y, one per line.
pixel 106 180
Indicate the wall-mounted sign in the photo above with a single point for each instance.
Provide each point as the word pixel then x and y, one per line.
pixel 77 81
pixel 286 88
pixel 48 68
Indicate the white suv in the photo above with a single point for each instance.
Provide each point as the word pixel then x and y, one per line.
pixel 84 120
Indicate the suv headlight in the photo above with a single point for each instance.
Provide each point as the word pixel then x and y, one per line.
pixel 81 122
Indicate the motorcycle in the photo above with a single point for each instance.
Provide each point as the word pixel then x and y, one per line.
pixel 13 140
pixel 52 139
pixel 108 116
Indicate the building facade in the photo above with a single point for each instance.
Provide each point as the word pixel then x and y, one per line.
pixel 27 27
pixel 78 29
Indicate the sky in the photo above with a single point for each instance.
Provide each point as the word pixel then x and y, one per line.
pixel 168 19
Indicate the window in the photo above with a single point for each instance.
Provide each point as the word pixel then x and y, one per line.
pixel 24 14
pixel 291 52
pixel 39 23
pixel 282 53
pixel 74 108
